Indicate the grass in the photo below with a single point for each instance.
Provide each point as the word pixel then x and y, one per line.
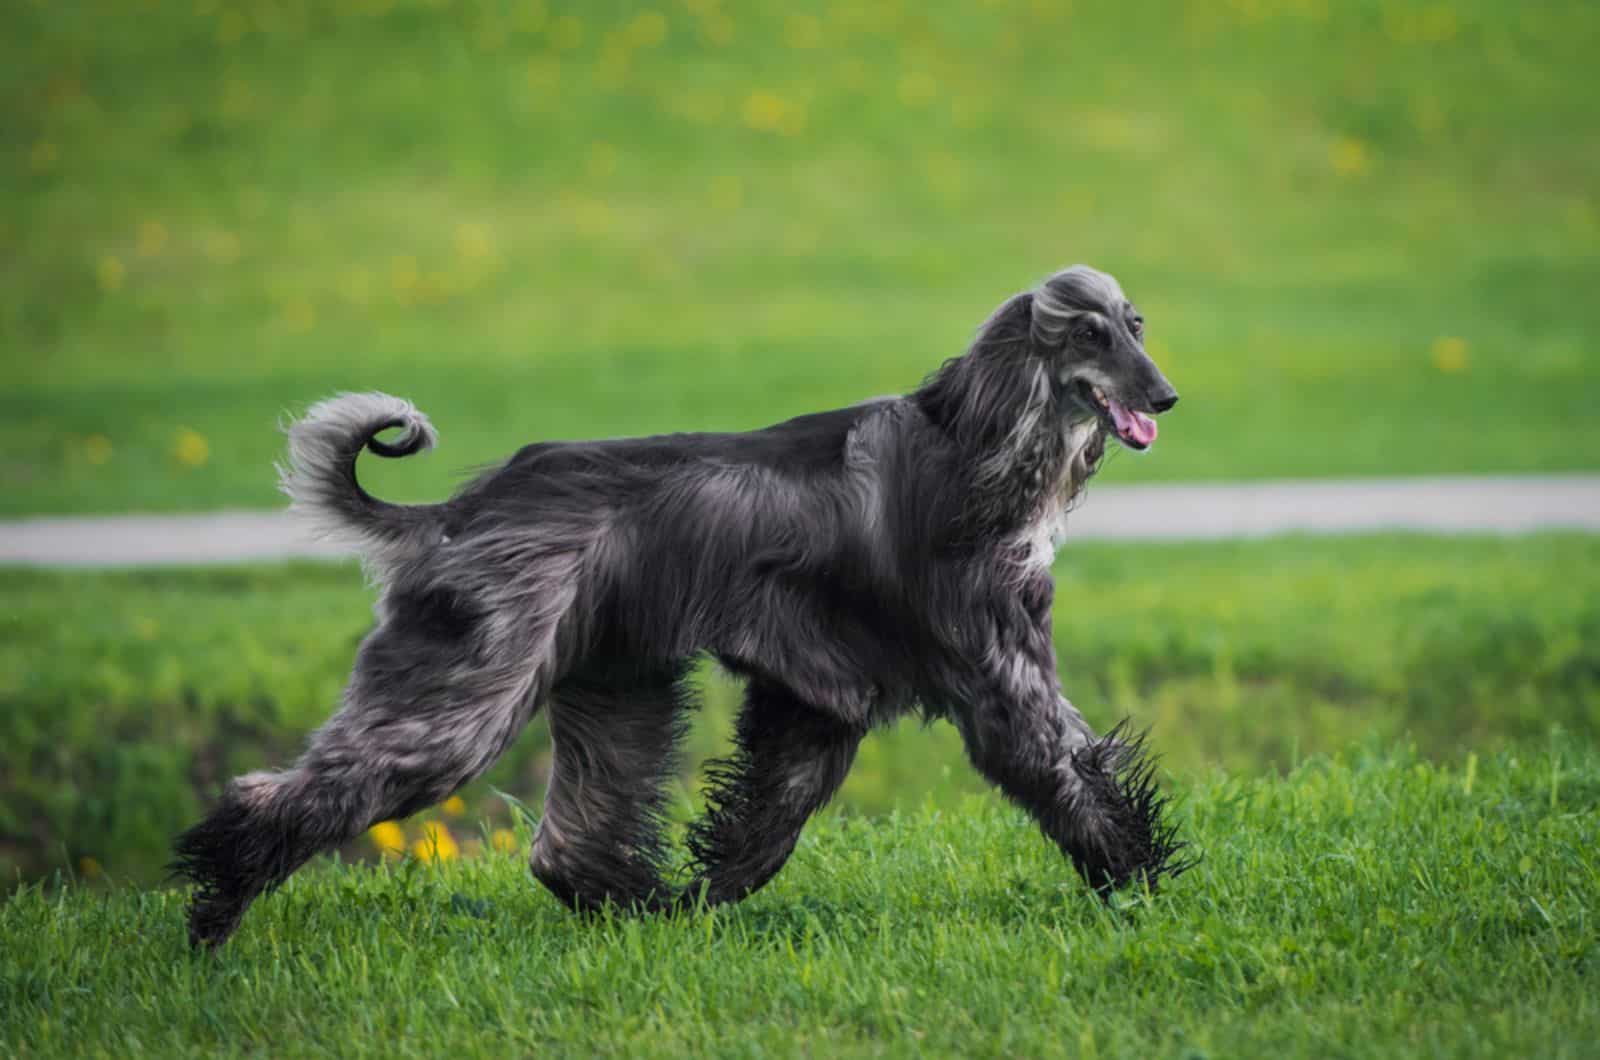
pixel 1364 233
pixel 1364 905
pixel 126 699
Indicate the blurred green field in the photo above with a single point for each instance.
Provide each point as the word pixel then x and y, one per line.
pixel 1362 906
pixel 126 699
pixel 1365 233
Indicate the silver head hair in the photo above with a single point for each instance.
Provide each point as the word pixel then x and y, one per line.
pixel 1069 294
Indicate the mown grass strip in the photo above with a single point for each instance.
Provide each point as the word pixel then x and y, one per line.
pixel 1362 905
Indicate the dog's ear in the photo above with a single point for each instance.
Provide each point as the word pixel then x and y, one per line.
pixel 1010 324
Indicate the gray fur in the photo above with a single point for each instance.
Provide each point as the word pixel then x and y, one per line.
pixel 854 566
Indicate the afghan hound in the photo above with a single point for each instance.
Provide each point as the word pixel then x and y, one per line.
pixel 852 566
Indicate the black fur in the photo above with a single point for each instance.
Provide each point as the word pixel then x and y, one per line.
pixel 854 565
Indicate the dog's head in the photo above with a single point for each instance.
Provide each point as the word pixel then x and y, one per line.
pixel 1092 337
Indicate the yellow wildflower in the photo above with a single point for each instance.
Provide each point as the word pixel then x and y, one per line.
pixel 388 837
pixel 89 868
pixel 1450 354
pixel 1349 157
pixel 504 840
pixel 763 110
pixel 191 449
pixel 97 449
pixel 455 806
pixel 111 272
pixel 436 844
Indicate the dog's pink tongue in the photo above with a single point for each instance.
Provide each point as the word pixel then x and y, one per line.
pixel 1132 426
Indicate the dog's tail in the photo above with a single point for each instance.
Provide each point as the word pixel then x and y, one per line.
pixel 320 473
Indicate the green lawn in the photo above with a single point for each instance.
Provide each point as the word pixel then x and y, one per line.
pixel 1364 233
pixel 1361 906
pixel 127 698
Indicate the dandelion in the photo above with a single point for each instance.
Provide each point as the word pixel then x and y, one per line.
pixel 770 113
pixel 191 449
pixel 388 837
pixel 1450 354
pixel 504 840
pixel 111 272
pixel 43 156
pixel 1349 157
pixel 454 806
pixel 89 868
pixel 97 449
pixel 436 844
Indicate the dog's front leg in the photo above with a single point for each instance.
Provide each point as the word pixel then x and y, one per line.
pixel 1095 798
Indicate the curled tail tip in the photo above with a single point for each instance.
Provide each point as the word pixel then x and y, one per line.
pixel 356 418
pixel 319 474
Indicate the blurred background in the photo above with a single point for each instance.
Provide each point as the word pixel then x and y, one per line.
pixel 1365 235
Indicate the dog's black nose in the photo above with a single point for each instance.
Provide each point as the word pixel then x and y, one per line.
pixel 1163 402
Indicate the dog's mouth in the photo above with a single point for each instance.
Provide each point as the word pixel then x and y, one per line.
pixel 1134 429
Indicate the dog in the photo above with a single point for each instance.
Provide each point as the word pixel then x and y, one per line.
pixel 851 566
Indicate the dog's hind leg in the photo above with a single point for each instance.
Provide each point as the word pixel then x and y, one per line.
pixel 616 730
pixel 789 759
pixel 438 692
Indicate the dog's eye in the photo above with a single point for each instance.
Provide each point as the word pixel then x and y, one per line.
pixel 1137 327
pixel 1090 332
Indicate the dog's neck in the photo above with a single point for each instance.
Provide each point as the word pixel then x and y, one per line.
pixel 1027 450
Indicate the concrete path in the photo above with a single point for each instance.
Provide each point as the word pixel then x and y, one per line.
pixel 1210 511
